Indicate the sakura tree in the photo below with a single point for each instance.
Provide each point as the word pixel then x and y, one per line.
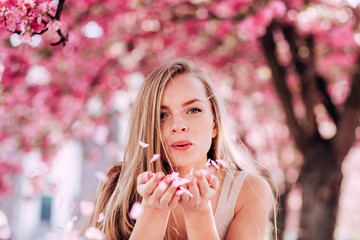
pixel 287 69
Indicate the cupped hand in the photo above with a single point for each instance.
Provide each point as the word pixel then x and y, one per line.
pixel 157 190
pixel 203 186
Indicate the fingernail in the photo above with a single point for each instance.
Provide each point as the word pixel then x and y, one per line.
pixel 160 176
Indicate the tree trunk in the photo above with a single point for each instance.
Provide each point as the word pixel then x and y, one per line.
pixel 320 179
pixel 281 216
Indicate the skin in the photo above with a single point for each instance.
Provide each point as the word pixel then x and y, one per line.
pixel 186 115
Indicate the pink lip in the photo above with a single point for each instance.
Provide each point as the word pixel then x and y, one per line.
pixel 181 145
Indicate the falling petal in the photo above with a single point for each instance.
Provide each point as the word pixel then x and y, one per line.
pixel 86 207
pixel 162 186
pixel 101 217
pixel 154 158
pixel 5 232
pixel 214 164
pixel 222 163
pixel 72 235
pixel 68 226
pixel 208 163
pixel 144 145
pixel 136 210
pixel 101 176
pixel 180 181
pixel 94 233
pixel 174 175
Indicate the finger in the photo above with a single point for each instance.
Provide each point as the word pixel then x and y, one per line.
pixel 144 177
pixel 203 184
pixel 174 201
pixel 213 181
pixel 193 187
pixel 169 194
pixel 147 189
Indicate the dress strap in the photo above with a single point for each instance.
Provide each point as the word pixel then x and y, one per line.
pixel 227 200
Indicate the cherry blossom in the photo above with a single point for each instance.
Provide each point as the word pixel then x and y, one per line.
pixel 136 210
pixel 86 207
pixel 94 233
pixel 143 145
pixel 154 158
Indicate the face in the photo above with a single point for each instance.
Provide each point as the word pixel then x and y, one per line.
pixel 187 125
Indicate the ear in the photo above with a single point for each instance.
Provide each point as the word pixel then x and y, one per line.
pixel 214 131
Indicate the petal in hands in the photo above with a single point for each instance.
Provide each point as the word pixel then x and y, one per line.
pixel 184 190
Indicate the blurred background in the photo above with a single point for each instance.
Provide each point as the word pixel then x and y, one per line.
pixel 288 71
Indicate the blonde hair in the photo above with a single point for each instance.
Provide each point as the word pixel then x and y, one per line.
pixel 115 197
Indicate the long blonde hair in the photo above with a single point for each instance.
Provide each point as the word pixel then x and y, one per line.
pixel 115 197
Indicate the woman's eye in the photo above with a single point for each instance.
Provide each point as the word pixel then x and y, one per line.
pixel 162 115
pixel 194 110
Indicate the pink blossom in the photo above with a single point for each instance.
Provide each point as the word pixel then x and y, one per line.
pixel 101 217
pixel 54 25
pixel 174 175
pixel 180 181
pixel 101 176
pixel 10 21
pixel 136 210
pixel 5 232
pixel 143 145
pixel 154 158
pixel 86 207
pixel 94 233
pixel 184 190
pixel 222 163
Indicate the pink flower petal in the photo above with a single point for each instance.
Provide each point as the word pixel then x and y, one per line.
pixel 86 207
pixel 68 226
pixel 136 210
pixel 214 164
pixel 174 175
pixel 192 171
pixel 222 163
pixel 101 176
pixel 5 232
pixel 155 157
pixel 144 145
pixel 72 235
pixel 184 190
pixel 208 163
pixel 180 181
pixel 101 217
pixel 94 233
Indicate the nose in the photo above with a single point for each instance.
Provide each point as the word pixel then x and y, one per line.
pixel 178 125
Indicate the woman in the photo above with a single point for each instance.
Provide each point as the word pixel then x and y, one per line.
pixel 186 193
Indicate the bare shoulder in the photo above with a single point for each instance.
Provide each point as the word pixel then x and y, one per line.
pixel 252 209
pixel 255 190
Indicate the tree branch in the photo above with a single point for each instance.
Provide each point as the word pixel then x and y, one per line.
pixel 329 105
pixel 279 75
pixel 349 120
pixel 305 68
pixel 63 38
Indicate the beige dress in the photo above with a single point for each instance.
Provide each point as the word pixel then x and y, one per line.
pixel 230 190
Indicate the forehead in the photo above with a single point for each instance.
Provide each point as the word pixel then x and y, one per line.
pixel 184 87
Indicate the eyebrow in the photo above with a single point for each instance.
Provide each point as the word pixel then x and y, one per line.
pixel 184 104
